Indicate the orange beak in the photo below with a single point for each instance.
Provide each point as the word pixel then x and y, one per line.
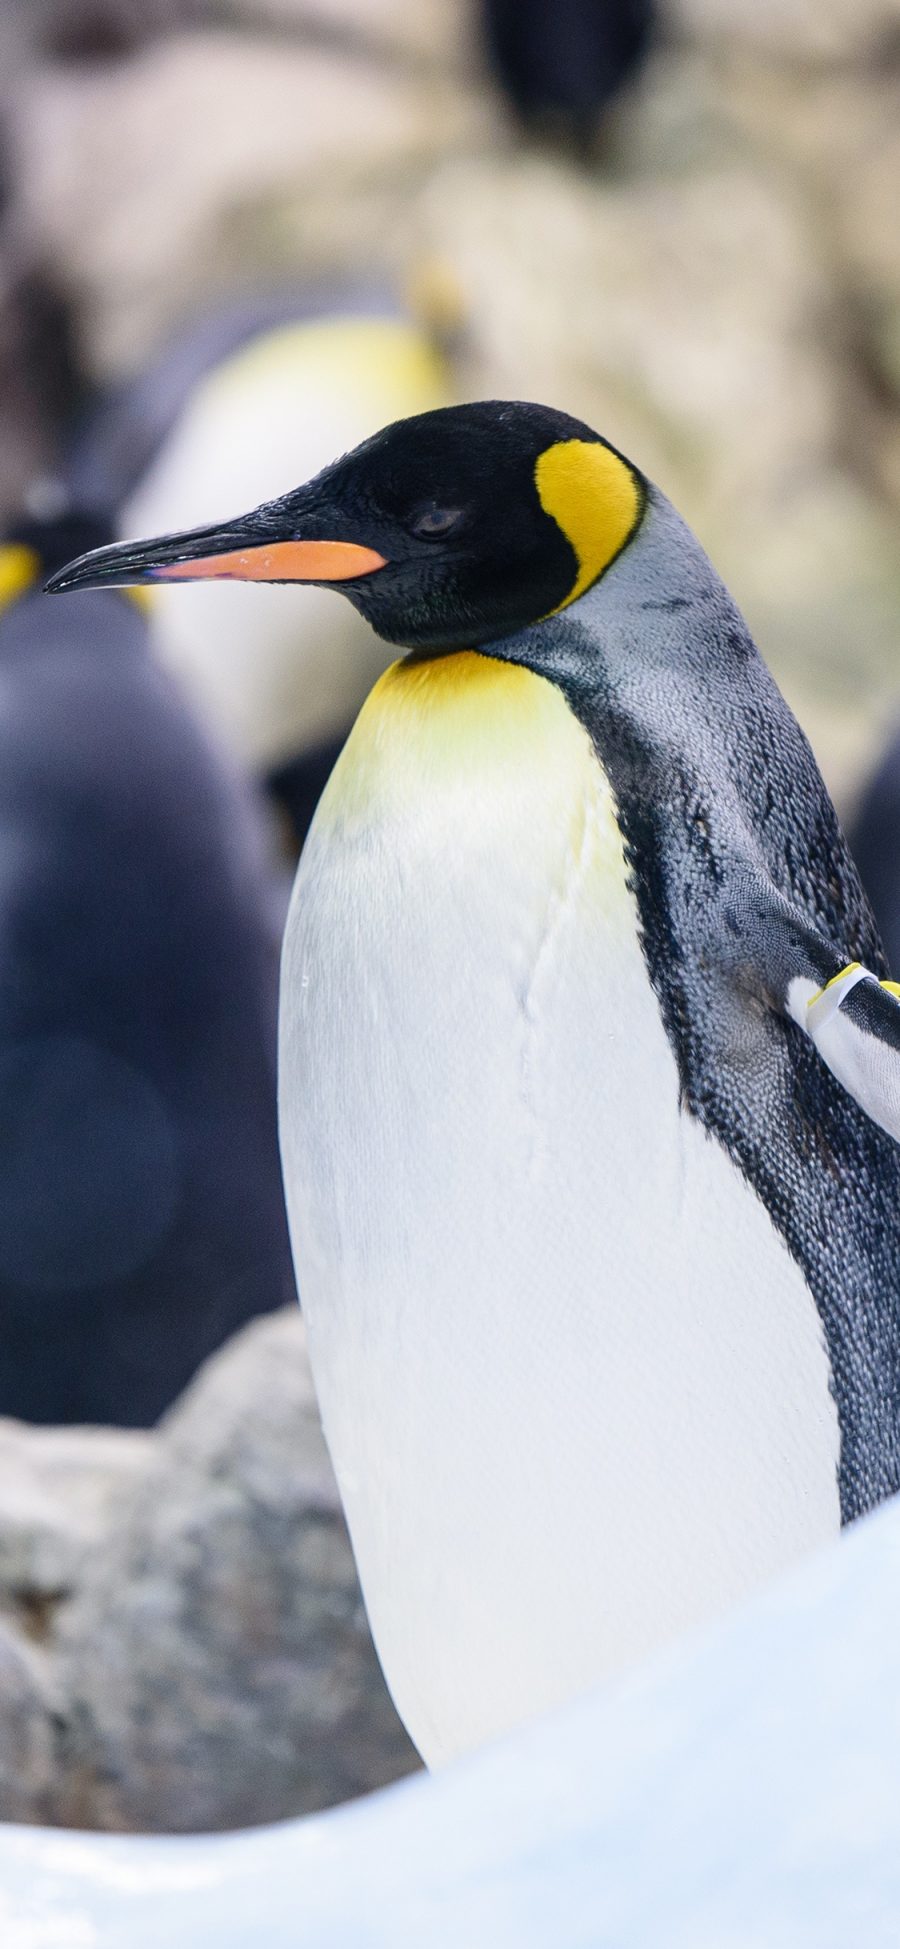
pixel 245 550
pixel 278 561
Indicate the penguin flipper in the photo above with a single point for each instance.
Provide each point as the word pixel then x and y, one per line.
pixel 850 1014
pixel 854 1022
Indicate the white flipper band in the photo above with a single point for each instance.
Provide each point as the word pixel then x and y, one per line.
pixel 868 1067
pixel 829 999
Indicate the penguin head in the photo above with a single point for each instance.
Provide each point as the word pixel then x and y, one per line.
pixel 447 531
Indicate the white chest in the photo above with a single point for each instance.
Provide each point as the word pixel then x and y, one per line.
pixel 573 1385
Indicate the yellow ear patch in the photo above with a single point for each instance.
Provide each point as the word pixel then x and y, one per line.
pixel 595 499
pixel 20 567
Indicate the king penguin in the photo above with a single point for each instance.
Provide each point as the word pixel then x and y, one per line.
pixel 589 1074
pixel 141 1210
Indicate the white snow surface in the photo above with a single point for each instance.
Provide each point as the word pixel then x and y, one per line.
pixel 743 1790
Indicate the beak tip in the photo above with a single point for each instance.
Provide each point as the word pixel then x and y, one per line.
pixel 72 575
pixel 79 574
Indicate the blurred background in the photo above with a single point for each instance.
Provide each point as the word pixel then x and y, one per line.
pixel 715 285
pixel 235 237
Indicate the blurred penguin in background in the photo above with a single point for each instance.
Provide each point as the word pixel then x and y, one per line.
pixel 246 400
pixel 561 65
pixel 41 381
pixel 875 843
pixel 141 1210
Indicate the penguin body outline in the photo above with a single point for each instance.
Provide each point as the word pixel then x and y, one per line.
pixel 708 899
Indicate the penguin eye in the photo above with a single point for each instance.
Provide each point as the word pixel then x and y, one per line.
pixel 432 523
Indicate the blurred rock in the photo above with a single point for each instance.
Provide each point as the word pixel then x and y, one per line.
pixel 722 296
pixel 436 33
pixel 690 316
pixel 868 233
pixel 826 30
pixel 59 1492
pixel 158 181
pixel 90 30
pixel 27 1756
pixel 185 1643
pixel 567 280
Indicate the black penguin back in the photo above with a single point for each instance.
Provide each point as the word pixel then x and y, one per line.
pixel 141 1211
pixel 875 843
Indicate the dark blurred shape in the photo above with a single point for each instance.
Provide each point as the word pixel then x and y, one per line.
pixel 874 836
pixel 41 385
pixel 97 32
pixel 52 539
pixel 298 784
pixel 561 63
pixel 49 367
pixel 141 1211
pixel 100 30
pixel 6 174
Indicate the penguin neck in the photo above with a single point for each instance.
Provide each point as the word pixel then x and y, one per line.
pixel 658 665
pixel 439 733
pixel 712 780
pixel 701 750
pixel 660 611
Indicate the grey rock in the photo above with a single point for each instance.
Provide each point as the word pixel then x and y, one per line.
pixel 27 1729
pixel 59 1489
pixel 186 1641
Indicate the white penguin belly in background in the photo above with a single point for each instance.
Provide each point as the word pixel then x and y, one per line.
pixel 574 1386
pixel 269 680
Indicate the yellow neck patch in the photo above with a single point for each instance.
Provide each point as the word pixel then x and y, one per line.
pixel 20 567
pixel 454 724
pixel 465 754
pixel 594 498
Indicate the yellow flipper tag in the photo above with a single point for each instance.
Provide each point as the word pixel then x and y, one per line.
pixel 595 499
pixel 865 1065
pixel 829 999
